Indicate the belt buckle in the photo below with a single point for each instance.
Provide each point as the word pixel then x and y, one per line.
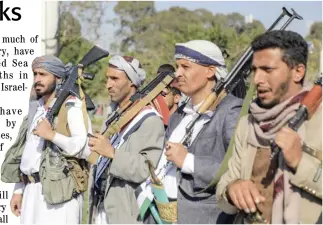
pixel 31 179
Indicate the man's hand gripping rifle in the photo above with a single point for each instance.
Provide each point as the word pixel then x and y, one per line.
pixel 223 87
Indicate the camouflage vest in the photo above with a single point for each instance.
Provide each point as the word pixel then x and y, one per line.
pixel 62 177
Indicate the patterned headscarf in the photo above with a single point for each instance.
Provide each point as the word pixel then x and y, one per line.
pixel 136 74
pixel 204 53
pixel 51 64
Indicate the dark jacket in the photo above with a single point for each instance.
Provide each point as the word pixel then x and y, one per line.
pixel 209 149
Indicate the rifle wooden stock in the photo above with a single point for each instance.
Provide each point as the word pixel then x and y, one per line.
pixel 212 101
pixel 125 107
pixel 307 108
pixel 207 103
pixel 128 115
pixel 224 87
pixel 312 100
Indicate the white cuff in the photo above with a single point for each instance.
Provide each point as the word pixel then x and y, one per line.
pixel 59 140
pixel 18 188
pixel 188 165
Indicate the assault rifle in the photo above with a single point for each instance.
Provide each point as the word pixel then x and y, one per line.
pixel 305 111
pixel 135 97
pixel 240 70
pixel 119 118
pixel 140 99
pixel 225 86
pixel 307 108
pixel 72 83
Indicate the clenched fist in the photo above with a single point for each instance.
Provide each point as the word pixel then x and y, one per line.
pixel 101 145
pixel 176 153
pixel 44 130
pixel 290 143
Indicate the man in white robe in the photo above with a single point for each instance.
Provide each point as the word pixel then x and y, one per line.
pixel 28 202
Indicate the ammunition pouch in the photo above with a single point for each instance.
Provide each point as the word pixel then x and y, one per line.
pixel 62 178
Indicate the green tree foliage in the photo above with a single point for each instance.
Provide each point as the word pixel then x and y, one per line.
pixel 151 36
pixel 90 13
pixel 72 47
pixel 316 31
pixel 314 37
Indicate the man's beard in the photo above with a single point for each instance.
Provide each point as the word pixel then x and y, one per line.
pixel 51 88
pixel 283 88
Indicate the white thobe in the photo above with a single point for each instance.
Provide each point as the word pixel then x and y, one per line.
pixel 34 208
pixel 101 216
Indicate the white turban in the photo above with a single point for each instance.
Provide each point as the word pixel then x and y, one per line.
pixel 135 74
pixel 204 53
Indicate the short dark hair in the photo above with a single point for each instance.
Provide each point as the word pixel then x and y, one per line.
pixel 166 68
pixel 293 46
pixel 174 90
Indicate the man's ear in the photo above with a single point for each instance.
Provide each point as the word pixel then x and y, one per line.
pixel 177 98
pixel 298 73
pixel 132 85
pixel 211 72
pixel 58 79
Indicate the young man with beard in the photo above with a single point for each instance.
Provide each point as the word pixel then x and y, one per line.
pixel 192 168
pixel 30 199
pixel 288 187
pixel 121 166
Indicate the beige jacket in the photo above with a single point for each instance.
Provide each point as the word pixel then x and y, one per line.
pixel 128 170
pixel 241 164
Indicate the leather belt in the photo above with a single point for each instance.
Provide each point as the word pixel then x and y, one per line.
pixel 32 178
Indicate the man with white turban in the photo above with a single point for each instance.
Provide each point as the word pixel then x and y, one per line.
pixel 29 200
pixel 200 65
pixel 121 166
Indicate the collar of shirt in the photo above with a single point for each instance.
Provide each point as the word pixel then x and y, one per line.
pixel 191 109
pixel 41 104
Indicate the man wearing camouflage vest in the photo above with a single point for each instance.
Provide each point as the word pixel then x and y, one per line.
pixel 45 162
